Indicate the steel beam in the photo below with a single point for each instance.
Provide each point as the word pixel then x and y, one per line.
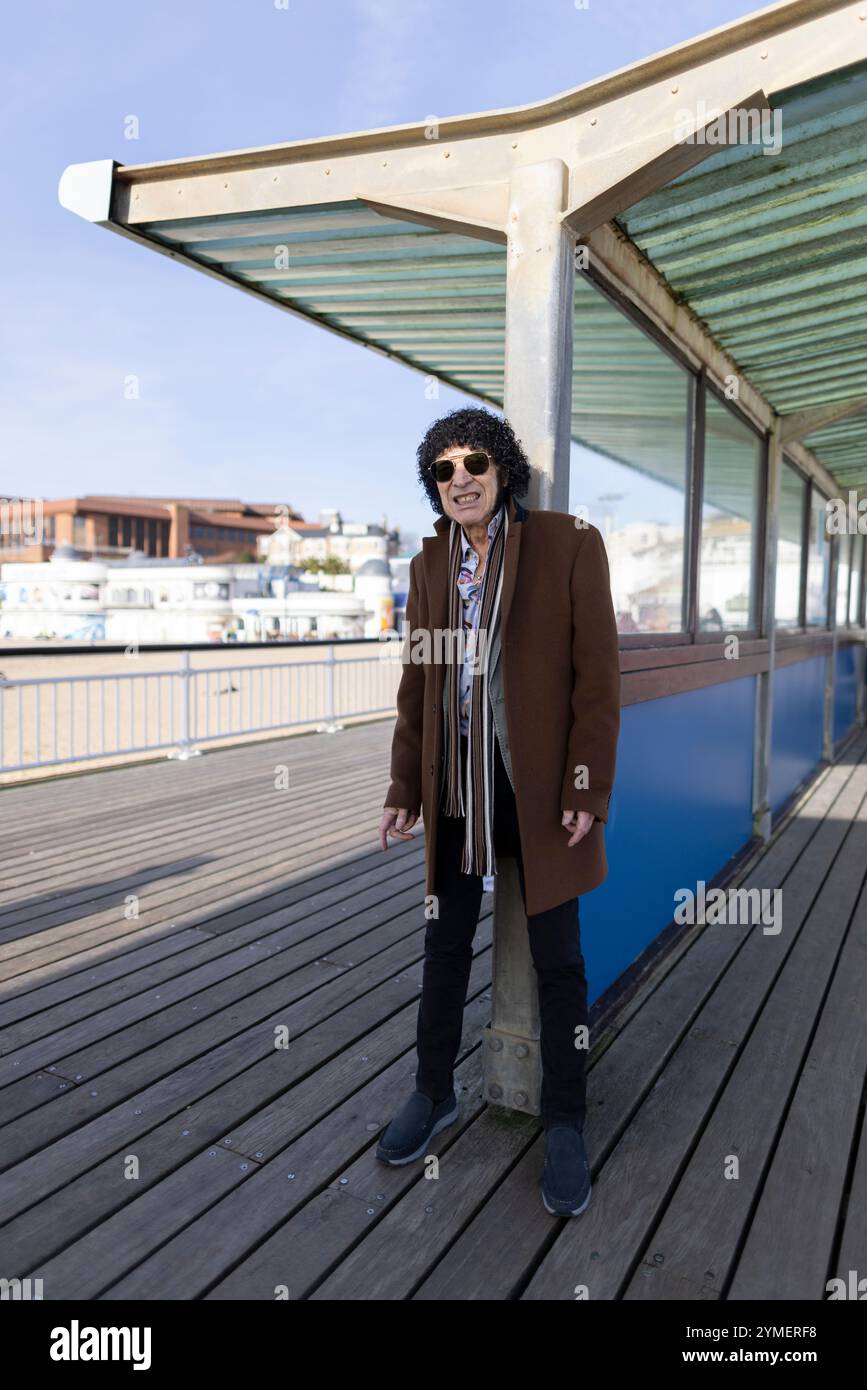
pixel 803 422
pixel 762 742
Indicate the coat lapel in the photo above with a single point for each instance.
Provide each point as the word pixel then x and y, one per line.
pixel 435 550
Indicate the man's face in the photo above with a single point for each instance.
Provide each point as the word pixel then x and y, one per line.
pixel 470 500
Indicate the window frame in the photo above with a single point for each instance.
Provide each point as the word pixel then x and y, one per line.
pixel 685 635
pixel 798 628
pixel 826 626
pixel 701 382
pixel 760 539
pixel 858 620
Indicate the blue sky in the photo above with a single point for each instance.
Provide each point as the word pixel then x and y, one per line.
pixel 237 399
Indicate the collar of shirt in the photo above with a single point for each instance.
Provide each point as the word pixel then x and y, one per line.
pixel 493 525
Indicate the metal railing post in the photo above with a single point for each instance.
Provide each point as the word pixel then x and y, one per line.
pixel 185 749
pixel 331 724
pixel 193 721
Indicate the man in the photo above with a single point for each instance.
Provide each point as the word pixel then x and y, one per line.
pixel 510 746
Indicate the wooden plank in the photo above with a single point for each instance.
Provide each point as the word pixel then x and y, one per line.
pixel 512 1232
pixel 388 932
pixel 195 907
pixel 222 1115
pixel 156 822
pixel 694 1248
pixel 853 1240
pixel 638 686
pixel 85 823
pixel 601 1250
pixel 91 789
pixel 310 1003
pixel 261 1198
pixel 242 920
pixel 363 889
pixel 275 824
pixel 789 1247
pixel 111 927
pixel 138 820
pixel 49 1226
pixel 653 658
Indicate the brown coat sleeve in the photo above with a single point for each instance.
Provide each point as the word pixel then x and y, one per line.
pixel 406 744
pixel 596 673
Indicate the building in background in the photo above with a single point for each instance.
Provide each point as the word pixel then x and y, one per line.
pixel 297 542
pixel 72 597
pixel 111 527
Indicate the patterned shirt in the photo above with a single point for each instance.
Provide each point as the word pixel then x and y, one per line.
pixel 470 590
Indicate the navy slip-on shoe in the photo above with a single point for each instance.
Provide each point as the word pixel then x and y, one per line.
pixel 410 1132
pixel 566 1174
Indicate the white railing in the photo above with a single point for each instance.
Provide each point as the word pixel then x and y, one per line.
pixel 49 721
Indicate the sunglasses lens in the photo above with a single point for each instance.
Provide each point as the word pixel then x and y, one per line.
pixel 475 464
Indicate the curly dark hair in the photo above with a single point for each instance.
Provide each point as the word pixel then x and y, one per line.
pixel 476 429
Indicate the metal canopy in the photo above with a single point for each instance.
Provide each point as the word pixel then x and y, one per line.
pixel 770 250
pixel 402 238
pixel 435 300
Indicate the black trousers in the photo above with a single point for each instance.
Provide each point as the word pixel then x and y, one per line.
pixel 556 952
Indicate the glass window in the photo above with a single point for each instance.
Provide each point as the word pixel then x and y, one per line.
pixel 844 550
pixel 855 605
pixel 818 562
pixel 793 492
pixel 733 459
pixel 631 424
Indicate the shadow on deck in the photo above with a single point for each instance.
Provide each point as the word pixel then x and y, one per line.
pixel 163 927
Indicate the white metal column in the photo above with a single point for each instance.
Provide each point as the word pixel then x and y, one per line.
pixel 538 405
pixel 540 285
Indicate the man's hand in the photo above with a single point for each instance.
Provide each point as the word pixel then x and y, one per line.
pixel 578 822
pixel 397 822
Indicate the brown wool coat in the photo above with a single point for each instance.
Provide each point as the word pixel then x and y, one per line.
pixel 561 678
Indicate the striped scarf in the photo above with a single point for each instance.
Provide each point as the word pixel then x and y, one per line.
pixel 475 799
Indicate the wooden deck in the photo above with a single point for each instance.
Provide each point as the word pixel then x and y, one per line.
pixel 160 924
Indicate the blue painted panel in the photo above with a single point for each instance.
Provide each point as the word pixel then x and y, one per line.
pixel 844 692
pixel 796 744
pixel 680 809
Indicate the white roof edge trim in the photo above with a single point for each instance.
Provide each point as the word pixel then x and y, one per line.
pixel 85 189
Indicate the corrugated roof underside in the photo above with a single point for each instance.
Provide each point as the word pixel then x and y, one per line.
pixel 770 250
pixel 436 299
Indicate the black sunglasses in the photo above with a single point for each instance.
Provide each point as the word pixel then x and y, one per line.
pixel 476 464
